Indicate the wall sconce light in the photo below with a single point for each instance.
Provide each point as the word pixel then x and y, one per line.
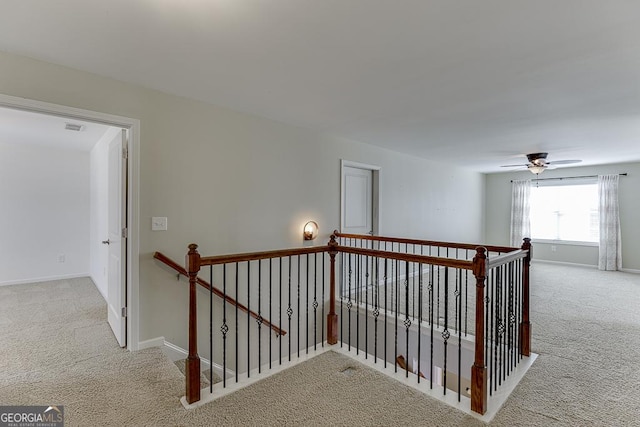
pixel 310 230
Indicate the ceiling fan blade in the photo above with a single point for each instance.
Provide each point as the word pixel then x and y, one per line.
pixel 513 166
pixel 563 162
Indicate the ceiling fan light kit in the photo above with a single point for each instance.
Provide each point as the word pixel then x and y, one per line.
pixel 538 163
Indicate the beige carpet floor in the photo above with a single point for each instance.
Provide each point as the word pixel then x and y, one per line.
pixel 56 348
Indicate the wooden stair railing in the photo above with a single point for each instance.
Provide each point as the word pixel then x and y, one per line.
pixel 182 271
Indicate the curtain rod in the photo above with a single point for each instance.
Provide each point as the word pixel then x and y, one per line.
pixel 571 177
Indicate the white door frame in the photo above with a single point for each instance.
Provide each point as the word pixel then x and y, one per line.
pixel 133 219
pixel 375 199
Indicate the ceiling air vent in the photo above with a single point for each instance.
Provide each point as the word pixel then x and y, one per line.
pixel 74 127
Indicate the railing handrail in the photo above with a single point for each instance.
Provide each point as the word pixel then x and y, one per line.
pixel 253 256
pixel 453 245
pixel 423 259
pixel 181 270
pixel 506 258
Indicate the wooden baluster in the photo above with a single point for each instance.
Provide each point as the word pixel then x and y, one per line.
pixel 525 326
pixel 479 369
pixel 193 360
pixel 332 317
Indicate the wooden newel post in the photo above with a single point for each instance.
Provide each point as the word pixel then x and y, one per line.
pixel 479 370
pixel 193 360
pixel 525 326
pixel 332 317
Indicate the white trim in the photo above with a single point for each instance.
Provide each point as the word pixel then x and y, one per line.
pixel 375 189
pixel 630 270
pixel 570 264
pixel 44 279
pixel 174 352
pixel 153 342
pixel 98 288
pixel 133 220
pixel 219 391
pixel 564 242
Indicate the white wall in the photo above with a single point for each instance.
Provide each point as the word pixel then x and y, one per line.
pixel 98 161
pixel 233 182
pixel 44 195
pixel 498 213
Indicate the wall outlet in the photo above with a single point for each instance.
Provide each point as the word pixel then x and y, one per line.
pixel 553 248
pixel 61 258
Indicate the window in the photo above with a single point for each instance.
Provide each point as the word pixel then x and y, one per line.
pixel 565 212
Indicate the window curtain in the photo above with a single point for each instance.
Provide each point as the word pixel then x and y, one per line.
pixel 520 211
pixel 610 254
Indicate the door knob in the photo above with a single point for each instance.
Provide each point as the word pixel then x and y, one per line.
pixel 106 242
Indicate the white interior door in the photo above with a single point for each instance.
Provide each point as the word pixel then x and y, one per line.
pixel 357 200
pixel 117 209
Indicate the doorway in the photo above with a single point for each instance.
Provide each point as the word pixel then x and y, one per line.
pixel 124 285
pixel 359 198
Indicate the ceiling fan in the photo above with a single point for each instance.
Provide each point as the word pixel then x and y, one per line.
pixel 538 163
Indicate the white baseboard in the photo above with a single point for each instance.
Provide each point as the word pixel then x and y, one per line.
pixel 573 264
pixel 44 279
pixel 175 352
pixel 153 342
pixel 570 264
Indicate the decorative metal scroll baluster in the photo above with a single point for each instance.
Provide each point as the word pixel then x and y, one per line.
pixel 445 333
pixel 386 306
pixel 366 308
pixel 407 320
pixel 315 302
pixel 224 329
pixel 376 310
pixel 289 309
pixel 259 319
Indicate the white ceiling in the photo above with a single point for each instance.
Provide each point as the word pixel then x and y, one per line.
pixel 28 128
pixel 467 82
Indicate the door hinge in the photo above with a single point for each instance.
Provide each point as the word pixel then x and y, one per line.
pixel 124 311
pixel 125 152
pixel 124 233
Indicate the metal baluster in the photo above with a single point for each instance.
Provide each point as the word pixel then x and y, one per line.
pixel 366 308
pixel 323 300
pixel 259 319
pixel 445 332
pixel 289 309
pixel 358 293
pixel 237 367
pixel 224 328
pixel 211 325
pixel 248 319
pixel 298 307
pixel 307 308
pixel 407 321
pixel 270 309
pixel 386 305
pixel 419 334
pixel 395 332
pixel 280 308
pixel 431 321
pixel 315 302
pixel 376 311
pixel 349 303
pixel 459 301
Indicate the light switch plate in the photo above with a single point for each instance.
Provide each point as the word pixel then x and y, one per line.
pixel 158 223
